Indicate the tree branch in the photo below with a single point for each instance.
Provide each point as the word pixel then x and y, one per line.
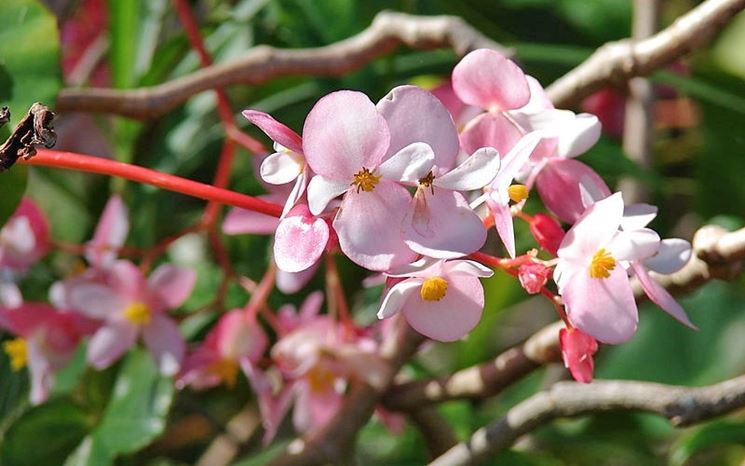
pixel 616 62
pixel 387 32
pixel 681 405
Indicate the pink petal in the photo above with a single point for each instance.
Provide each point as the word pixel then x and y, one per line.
pixel 275 130
pixel 127 280
pixel 488 79
pixel 602 307
pixel 467 267
pixel 452 317
pixel 369 226
pixel 110 342
pixel 95 300
pixel 673 254
pixel 593 230
pixel 577 349
pixel 322 190
pixel 273 409
pixel 300 240
pixel 634 245
pixel 290 283
pixel 514 161
pixel 42 376
pixel 660 296
pixel 397 297
pixel 409 164
pixel 558 185
pixel 164 340
pixel 10 294
pixel 500 210
pixel 314 409
pixel 401 109
pixel 446 95
pixel 442 225
pixel 240 221
pixel 490 130
pixel 538 98
pixel 170 285
pixel 282 167
pixel 311 306
pixel 344 133
pixel 473 173
pixel 110 234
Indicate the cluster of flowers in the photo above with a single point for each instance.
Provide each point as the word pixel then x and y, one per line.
pixel 406 188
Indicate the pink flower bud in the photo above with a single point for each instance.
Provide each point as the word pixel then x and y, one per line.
pixel 547 232
pixel 533 276
pixel 577 349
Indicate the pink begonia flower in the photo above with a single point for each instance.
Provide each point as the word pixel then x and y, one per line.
pixel 236 340
pixel 47 339
pixel 345 140
pixel 577 349
pixel 300 240
pixel 129 306
pixel 533 276
pixel 24 239
pixel 594 286
pixel 110 234
pixel 287 163
pixel 442 300
pixel 439 222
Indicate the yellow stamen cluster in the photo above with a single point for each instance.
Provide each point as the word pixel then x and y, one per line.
pixel 602 263
pixel 17 350
pixel 434 289
pixel 138 313
pixel 365 180
pixel 320 379
pixel 426 182
pixel 226 370
pixel 518 192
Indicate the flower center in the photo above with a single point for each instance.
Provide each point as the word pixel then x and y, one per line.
pixel 365 180
pixel 434 289
pixel 226 370
pixel 602 263
pixel 138 313
pixel 518 192
pixel 426 182
pixel 17 350
pixel 320 379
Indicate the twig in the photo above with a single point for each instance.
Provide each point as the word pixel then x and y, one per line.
pixel 387 32
pixel 681 405
pixel 35 129
pixel 435 429
pixel 616 62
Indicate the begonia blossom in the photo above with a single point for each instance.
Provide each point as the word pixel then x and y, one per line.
pixel 24 239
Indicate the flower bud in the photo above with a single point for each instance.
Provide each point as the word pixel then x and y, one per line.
pixel 547 232
pixel 533 276
pixel 577 349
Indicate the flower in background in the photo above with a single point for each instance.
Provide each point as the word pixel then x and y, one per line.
pixel 24 239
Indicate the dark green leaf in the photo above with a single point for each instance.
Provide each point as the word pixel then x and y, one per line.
pixel 14 185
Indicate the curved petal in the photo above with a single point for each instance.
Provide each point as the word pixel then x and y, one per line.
pixel 488 79
pixel 369 226
pixel 453 316
pixel 282 167
pixel 164 340
pixel 240 221
pixel 515 160
pixel 311 306
pixel 672 255
pixel 637 216
pixel 170 285
pixel 659 295
pixel 344 133
pixel 110 234
pixel 467 267
pixel 538 98
pixel 475 172
pixel 634 245
pixel 409 164
pixel 95 300
pixel 110 342
pixel 500 210
pixel 579 136
pixel 127 280
pixel 291 283
pixel 442 225
pixel 402 108
pixel 593 230
pixel 297 192
pixel 322 190
pixel 300 240
pixel 558 184
pixel 603 308
pixel 396 297
pixel 490 130
pixel 275 130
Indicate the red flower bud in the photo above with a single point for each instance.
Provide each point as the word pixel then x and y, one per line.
pixel 547 232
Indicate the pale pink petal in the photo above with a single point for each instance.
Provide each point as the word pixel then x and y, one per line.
pixel 515 160
pixel 95 300
pixel 314 409
pixel 500 210
pixel 446 95
pixel 10 294
pixel 538 98
pixel 637 216
pixel 660 296
pixel 282 167
pixel 634 245
pixel 490 130
pixel 240 221
pixel 322 190
pixel 474 172
pixel 290 283
pixel 369 226
pixel 42 376
pixel 344 133
pixel 593 230
pixel 273 409
pixel 170 285
pixel 311 306
pixel 558 185
pixel 164 340
pixel 300 240
pixel 409 164
pixel 110 234
pixel 579 136
pixel 297 192
pixel 453 316
pixel 602 307
pixel 672 255
pixel 128 281
pixel 275 130
pixel 467 267
pixel 397 296
pixel 488 79
pixel 442 225
pixel 402 109
pixel 110 342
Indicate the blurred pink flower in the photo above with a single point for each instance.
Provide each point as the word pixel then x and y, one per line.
pixel 24 239
pixel 110 234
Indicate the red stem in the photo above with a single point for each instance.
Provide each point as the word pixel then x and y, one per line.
pixel 87 163
pixel 222 176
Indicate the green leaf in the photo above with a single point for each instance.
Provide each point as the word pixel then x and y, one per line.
pixel 136 413
pixel 44 434
pixel 123 29
pixel 707 437
pixel 29 58
pixel 14 185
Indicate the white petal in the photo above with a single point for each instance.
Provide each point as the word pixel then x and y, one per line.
pixel 282 167
pixel 634 245
pixel 467 267
pixel 409 164
pixel 672 255
pixel 475 172
pixel 397 296
pixel 516 159
pixel 321 191
pixel 636 216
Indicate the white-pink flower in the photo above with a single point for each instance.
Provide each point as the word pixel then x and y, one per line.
pixel 24 239
pixel 440 299
pixel 110 234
